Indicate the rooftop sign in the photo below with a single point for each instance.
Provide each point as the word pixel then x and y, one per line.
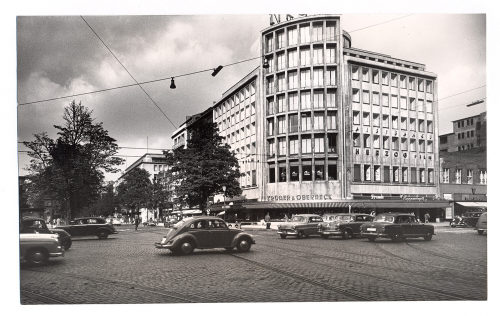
pixel 277 18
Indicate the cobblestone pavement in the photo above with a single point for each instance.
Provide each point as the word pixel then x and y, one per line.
pixel 127 268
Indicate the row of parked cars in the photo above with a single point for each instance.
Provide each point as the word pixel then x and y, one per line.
pixel 38 243
pixel 395 226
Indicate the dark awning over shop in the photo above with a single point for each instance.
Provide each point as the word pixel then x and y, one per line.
pixel 368 204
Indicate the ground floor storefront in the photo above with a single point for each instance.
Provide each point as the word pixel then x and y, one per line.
pixel 256 211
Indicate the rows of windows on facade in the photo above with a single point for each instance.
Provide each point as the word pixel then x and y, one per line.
pixel 473 176
pixel 393 129
pixel 468 135
pixel 235 119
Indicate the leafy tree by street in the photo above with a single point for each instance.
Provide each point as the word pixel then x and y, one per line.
pixel 160 193
pixel 70 169
pixel 135 190
pixel 202 168
pixel 106 204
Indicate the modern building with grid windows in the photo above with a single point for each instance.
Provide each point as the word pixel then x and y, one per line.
pixel 321 126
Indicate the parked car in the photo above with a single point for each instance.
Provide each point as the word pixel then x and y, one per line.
pixel 89 226
pixel 37 225
pixel 301 225
pixel 342 224
pixel 396 226
pixel 36 245
pixel 204 232
pixel 470 218
pixel 481 225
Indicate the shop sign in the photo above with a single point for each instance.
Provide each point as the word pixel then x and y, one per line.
pixel 300 197
pixel 412 198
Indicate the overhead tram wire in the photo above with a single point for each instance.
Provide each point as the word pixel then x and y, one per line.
pixel 109 49
pixel 181 75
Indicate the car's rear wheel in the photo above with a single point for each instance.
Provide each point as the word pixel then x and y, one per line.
pixel 428 237
pixel 300 234
pixel 187 247
pixel 102 235
pixel 371 238
pixel 346 234
pixel 480 232
pixel 243 244
pixel 37 257
pixel 283 236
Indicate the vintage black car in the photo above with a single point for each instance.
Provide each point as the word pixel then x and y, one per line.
pixel 346 225
pixel 396 226
pixel 34 225
pixel 89 226
pixel 204 232
pixel 301 225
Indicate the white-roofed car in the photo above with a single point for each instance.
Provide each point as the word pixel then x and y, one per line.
pixel 301 225
pixel 36 243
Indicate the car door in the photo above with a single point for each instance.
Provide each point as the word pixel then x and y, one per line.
pixel 78 227
pixel 221 235
pixel 404 223
pixel 199 230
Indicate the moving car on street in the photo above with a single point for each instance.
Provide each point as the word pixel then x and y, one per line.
pixel 481 225
pixel 89 226
pixel 37 225
pixel 300 226
pixel 396 226
pixel 36 243
pixel 342 224
pixel 204 232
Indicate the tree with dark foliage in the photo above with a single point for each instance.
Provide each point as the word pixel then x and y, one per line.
pixel 71 168
pixel 202 168
pixel 135 190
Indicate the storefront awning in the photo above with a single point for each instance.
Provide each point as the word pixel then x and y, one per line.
pixel 364 204
pixel 473 204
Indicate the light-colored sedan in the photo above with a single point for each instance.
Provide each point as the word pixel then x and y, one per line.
pixel 301 225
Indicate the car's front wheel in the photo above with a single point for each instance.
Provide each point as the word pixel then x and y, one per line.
pixel 187 247
pixel 300 234
pixel 243 245
pixel 371 238
pixel 283 236
pixel 67 244
pixel 428 237
pixel 346 234
pixel 37 257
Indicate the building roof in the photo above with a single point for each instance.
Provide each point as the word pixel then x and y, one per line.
pixel 472 116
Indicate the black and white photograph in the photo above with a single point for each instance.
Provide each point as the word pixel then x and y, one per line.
pixel 326 159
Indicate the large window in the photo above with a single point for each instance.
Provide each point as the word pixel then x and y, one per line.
pixel 318 55
pixel 330 54
pixel 404 174
pixel 376 119
pixel 306 145
pixel 376 141
pixel 394 80
pixel 385 99
pixel 357 173
pixel 317 32
pixel 270 85
pixel 404 123
pixel 282 173
pixel 281 125
pixel 394 101
pixel 458 176
pixel 281 82
pixel 355 72
pixel 294 173
pixel 281 61
pixel 306 172
pixel 411 83
pixel 355 95
pixel 272 174
pixel 319 121
pixel 318 99
pixel 366 141
pixel 403 101
pixel 305 36
pixel 292 36
pixel 366 118
pixel 305 78
pixel 281 103
pixel 269 43
pixel 376 173
pixel 270 106
pixel 482 177
pixel 305 100
pixel 469 176
pixel 270 126
pixel 355 117
pixel 319 144
pixel 293 123
pixel 330 31
pixel 445 175
pixel 330 76
pixel 385 121
pixel 318 77
pixel 293 82
pixel 330 98
pixel 332 172
pixel 305 121
pixel 294 145
pixel 332 143
pixel 293 59
pixel 271 146
pixel 375 76
pixel 376 98
pixel 366 97
pixel 395 174
pixel 305 56
pixel 282 146
pixel 293 101
pixel 368 172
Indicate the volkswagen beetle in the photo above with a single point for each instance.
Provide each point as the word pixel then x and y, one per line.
pixel 204 232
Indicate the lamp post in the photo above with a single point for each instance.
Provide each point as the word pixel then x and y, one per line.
pixel 224 189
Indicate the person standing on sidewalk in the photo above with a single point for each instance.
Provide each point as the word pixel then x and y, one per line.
pixel 136 221
pixel 426 217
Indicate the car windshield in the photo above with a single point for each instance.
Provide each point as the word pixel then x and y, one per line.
pixel 384 218
pixel 298 219
pixel 328 218
pixel 343 217
pixel 315 219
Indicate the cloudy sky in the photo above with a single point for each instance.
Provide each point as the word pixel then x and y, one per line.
pixel 58 56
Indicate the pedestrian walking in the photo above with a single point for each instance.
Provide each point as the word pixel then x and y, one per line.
pixel 426 217
pixel 136 221
pixel 267 219
pixel 286 218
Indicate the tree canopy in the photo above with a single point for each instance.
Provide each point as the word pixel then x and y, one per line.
pixel 202 168
pixel 70 169
pixel 135 190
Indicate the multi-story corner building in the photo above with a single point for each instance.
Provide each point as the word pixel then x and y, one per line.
pixel 322 126
pixel 469 132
